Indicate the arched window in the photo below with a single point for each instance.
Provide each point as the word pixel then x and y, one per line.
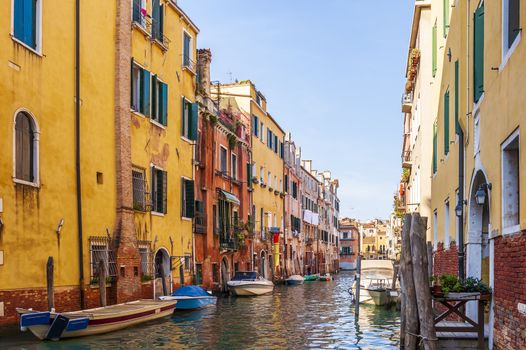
pixel 26 148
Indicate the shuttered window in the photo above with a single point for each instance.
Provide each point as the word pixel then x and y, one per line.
pixel 446 17
pixel 157 20
pixel 275 144
pixel 190 113
pixel 140 90
pixel 255 126
pixel 478 54
pixel 25 145
pixel 188 198
pixel 159 190
pixel 434 49
pixel 513 21
pixel 187 54
pixel 25 21
pixel 434 147
pixel 159 101
pixel 223 159
pixel 446 123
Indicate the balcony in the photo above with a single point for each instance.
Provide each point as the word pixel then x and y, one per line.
pixel 407 102
pixel 406 159
pixel 200 222
pixel 227 243
pixel 189 64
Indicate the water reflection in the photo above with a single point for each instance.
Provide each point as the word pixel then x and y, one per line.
pixel 316 315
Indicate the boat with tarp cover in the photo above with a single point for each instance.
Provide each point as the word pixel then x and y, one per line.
pixel 191 298
pixel 53 325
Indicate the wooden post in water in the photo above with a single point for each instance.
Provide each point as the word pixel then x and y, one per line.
pixel 50 284
pixel 102 283
pixel 421 279
pixel 358 279
pixel 410 308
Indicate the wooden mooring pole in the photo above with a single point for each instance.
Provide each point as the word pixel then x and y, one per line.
pixel 358 279
pixel 50 283
pixel 102 283
pixel 421 281
pixel 410 326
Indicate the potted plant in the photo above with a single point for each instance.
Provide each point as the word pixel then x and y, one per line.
pixel 436 288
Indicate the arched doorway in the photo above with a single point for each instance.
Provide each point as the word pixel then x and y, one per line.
pixel 163 273
pixel 224 274
pixel 477 243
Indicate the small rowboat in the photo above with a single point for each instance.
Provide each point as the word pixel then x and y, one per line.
pixel 191 298
pixel 327 277
pixel 55 326
pixel 294 280
pixel 310 277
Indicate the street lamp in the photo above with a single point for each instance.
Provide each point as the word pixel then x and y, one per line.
pixel 480 195
pixel 458 210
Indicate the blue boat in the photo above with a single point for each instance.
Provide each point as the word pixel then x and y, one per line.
pixel 191 298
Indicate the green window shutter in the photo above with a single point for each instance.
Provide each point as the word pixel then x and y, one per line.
pixel 161 23
pixel 155 105
pixel 249 174
pixel 145 93
pixel 192 127
pixel 163 110
pixel 183 121
pixel 189 204
pixel 165 191
pixel 478 54
pixel 156 10
pixel 153 187
pixel 434 50
pixel 434 147
pixel 131 83
pixel 457 125
pixel 446 17
pixel 446 123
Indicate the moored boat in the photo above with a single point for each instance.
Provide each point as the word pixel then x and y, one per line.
pixel 191 298
pixel 313 277
pixel 294 280
pixel 249 283
pixel 54 326
pixel 327 277
pixel 376 280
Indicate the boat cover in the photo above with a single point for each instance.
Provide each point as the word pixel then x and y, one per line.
pixel 190 291
pixel 245 276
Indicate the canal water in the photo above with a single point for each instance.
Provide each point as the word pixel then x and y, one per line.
pixel 316 315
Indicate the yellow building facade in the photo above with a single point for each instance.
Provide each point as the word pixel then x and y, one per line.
pixel 51 208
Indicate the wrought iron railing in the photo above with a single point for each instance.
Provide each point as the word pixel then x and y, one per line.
pixel 189 63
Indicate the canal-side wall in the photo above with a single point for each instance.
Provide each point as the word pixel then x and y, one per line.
pixel 445 260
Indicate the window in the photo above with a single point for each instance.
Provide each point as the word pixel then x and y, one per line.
pixel 100 251
pixel 511 23
pixel 281 151
pixel 157 20
pixel 262 133
pixel 139 12
pixel 294 190
pixel 223 159
pixel 190 111
pixel 159 186
pixel 27 22
pixel 269 179
pixel 478 54
pixel 446 224
pixel 434 49
pixel 255 126
pixel 510 184
pixel 159 101
pixel 435 147
pixel 435 229
pixel 286 184
pixel 187 50
pixel 26 148
pixel 446 17
pixel 269 138
pixel 140 90
pixel 198 274
pixel 275 144
pixel 261 175
pixel 187 263
pixel 144 252
pixel 139 202
pixel 446 123
pixel 233 166
pixel 188 198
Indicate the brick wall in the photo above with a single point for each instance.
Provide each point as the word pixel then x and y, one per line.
pixel 509 290
pixel 445 260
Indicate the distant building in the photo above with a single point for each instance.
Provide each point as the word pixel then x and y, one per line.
pixel 349 235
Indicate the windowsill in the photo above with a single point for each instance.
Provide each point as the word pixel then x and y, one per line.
pixel 156 123
pixel 185 139
pixel 511 229
pixel 26 183
pixel 35 51
pixel 510 51
pixel 161 45
pixel 189 69
pixel 141 28
pixel 138 114
pixel 154 213
pixel 184 218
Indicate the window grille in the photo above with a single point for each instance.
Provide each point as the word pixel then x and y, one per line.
pixel 139 190
pixel 101 249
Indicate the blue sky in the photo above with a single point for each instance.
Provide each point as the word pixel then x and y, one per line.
pixel 332 72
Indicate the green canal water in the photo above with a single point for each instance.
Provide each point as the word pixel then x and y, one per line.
pixel 316 315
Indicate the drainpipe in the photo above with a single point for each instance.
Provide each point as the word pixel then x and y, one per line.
pixel 77 151
pixel 461 273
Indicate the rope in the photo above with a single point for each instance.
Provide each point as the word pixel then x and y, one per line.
pixel 422 338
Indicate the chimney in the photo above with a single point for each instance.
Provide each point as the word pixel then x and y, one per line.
pixel 204 58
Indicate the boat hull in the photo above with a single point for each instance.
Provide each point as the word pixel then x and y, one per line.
pixel 294 282
pixel 101 323
pixel 251 289
pixel 310 277
pixel 193 304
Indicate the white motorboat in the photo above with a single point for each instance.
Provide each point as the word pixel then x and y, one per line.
pixel 375 282
pixel 294 280
pixel 249 283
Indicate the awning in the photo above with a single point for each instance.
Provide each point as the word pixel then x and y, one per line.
pixel 230 197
